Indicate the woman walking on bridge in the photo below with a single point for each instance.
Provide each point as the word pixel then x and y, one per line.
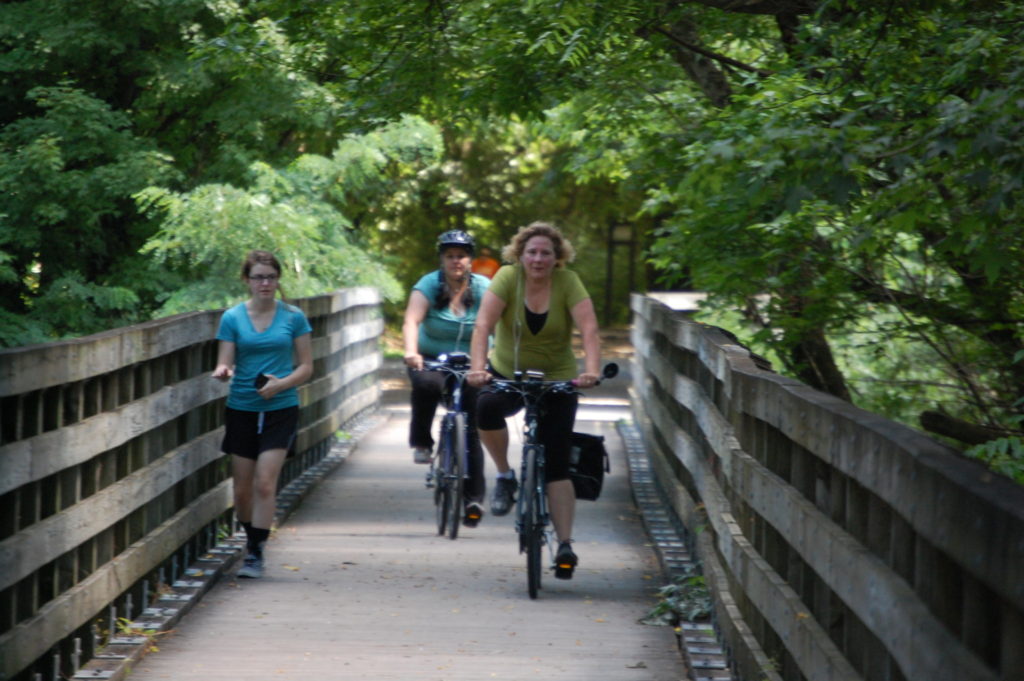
pixel 265 351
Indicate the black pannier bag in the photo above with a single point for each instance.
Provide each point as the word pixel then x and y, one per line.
pixel 588 462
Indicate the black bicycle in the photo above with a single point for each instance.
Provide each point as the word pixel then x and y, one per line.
pixel 532 518
pixel 450 466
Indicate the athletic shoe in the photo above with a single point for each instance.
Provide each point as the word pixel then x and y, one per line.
pixel 252 567
pixel 421 455
pixel 474 512
pixel 504 495
pixel 565 561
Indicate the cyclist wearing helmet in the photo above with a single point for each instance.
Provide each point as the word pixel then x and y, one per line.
pixel 439 318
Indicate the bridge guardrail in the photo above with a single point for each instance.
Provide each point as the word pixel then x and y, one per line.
pixel 110 462
pixel 840 546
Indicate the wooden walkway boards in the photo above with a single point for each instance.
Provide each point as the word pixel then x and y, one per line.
pixel 359 586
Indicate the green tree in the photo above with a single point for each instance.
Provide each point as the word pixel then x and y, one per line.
pixel 66 178
pixel 298 213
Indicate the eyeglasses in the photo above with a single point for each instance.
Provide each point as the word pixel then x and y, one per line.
pixel 263 278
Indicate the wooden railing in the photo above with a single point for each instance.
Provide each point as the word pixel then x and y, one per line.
pixel 840 545
pixel 110 466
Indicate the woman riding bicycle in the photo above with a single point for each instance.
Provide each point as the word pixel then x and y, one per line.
pixel 439 318
pixel 530 308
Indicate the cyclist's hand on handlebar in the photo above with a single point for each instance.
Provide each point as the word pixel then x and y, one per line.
pixel 478 379
pixel 414 361
pixel 586 380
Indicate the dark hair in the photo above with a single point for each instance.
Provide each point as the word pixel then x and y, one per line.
pixel 444 292
pixel 564 252
pixel 257 257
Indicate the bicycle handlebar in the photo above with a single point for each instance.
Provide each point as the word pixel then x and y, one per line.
pixel 532 386
pixel 532 383
pixel 455 363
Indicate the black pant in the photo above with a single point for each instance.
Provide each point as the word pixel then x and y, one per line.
pixel 427 390
pixel 554 427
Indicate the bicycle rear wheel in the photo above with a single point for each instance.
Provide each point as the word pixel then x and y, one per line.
pixel 533 531
pixel 456 472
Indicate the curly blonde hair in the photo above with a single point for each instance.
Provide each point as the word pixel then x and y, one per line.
pixel 564 252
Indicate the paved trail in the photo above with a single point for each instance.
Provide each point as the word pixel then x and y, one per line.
pixel 359 586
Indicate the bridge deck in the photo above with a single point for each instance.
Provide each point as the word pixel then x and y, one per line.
pixel 359 586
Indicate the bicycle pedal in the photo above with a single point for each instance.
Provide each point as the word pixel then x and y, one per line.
pixel 565 563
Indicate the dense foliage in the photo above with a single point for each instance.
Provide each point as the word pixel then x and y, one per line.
pixel 844 175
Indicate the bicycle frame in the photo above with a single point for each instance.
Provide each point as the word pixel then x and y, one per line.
pixel 532 517
pixel 450 467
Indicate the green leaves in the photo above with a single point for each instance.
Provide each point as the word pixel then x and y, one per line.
pixel 298 213
pixel 877 204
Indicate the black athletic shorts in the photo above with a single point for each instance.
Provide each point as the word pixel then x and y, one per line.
pixel 249 433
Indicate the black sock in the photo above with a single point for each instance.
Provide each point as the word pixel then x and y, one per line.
pixel 247 526
pixel 257 538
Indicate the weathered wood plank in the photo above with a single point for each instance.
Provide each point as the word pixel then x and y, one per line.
pixel 848 477
pixel 32 638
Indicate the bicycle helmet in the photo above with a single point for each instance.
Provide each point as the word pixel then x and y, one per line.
pixel 455 237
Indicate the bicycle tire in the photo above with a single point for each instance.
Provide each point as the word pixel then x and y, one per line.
pixel 533 561
pixel 532 530
pixel 456 472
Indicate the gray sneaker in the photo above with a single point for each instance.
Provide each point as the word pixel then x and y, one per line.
pixel 252 567
pixel 421 455
pixel 504 495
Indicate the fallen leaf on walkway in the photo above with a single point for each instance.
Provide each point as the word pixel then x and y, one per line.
pixel 638 665
pixel 290 567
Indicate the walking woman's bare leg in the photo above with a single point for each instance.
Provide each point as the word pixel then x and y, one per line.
pixel 264 487
pixel 242 472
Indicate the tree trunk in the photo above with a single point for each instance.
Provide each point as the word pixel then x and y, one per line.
pixel 815 365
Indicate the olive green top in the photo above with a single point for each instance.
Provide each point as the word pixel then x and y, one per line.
pixel 550 350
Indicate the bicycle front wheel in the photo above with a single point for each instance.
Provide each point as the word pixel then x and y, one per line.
pixel 442 502
pixel 456 472
pixel 443 488
pixel 532 529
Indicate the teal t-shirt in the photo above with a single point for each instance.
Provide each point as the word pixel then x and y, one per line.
pixel 269 352
pixel 441 331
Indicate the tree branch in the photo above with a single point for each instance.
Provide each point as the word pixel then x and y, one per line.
pixel 769 7
pixel 721 58
pixel 960 430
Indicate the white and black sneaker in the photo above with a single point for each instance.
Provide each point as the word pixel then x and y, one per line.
pixel 252 566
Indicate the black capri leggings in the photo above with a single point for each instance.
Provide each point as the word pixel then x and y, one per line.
pixel 554 429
